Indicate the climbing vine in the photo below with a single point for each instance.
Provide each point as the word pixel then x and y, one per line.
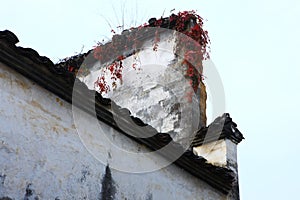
pixel 194 49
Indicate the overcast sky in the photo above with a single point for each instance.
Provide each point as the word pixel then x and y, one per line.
pixel 255 47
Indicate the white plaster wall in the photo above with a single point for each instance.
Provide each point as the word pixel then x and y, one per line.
pixel 40 150
pixel 156 91
pixel 220 152
pixel 214 152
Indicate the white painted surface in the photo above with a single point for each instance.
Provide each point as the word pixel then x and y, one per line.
pixel 155 88
pixel 213 152
pixel 219 153
pixel 39 144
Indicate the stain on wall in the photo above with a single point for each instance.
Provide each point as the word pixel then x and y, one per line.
pixel 5 198
pixel 2 179
pixel 30 193
pixel 108 189
pixel 149 196
pixel 84 173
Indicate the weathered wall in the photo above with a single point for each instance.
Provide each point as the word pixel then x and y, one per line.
pixel 157 90
pixel 42 156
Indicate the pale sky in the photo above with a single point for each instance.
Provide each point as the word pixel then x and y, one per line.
pixel 255 46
